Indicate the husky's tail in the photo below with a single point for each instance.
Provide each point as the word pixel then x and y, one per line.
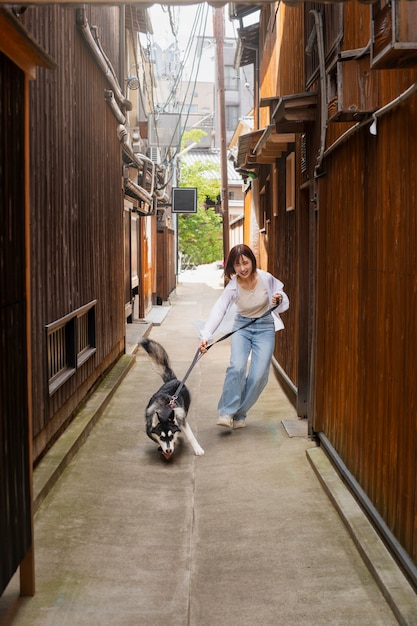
pixel 160 358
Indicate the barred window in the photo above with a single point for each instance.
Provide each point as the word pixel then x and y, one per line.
pixel 86 335
pixel 71 342
pixel 231 78
pixel 232 117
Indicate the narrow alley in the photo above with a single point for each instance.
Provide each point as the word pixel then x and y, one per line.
pixel 243 535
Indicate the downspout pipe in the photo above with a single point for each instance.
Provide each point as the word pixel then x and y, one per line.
pixel 104 65
pixel 110 99
pixel 372 120
pixel 138 161
pixel 122 39
pixel 139 192
pixel 323 99
pixel 391 105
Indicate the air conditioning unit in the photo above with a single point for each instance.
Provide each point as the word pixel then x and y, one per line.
pixel 352 89
pixel 394 34
pixel 154 153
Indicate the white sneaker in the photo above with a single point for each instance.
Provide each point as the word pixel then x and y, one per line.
pixel 225 420
pixel 239 423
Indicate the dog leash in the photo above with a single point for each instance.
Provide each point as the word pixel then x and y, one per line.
pixel 200 354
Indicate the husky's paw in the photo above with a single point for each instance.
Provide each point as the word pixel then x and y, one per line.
pixel 198 451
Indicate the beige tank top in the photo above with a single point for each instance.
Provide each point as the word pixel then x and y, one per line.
pixel 254 302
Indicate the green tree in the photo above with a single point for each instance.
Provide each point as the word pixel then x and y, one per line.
pixel 200 235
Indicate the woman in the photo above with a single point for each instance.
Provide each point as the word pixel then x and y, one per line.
pixel 252 291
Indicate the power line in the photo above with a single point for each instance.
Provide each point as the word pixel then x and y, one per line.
pixel 196 34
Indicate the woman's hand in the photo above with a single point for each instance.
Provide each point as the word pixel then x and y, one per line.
pixel 203 346
pixel 277 298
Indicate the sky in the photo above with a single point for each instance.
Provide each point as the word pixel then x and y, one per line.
pixel 183 17
pixel 189 21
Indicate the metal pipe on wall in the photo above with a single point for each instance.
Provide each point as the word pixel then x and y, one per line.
pixel 84 26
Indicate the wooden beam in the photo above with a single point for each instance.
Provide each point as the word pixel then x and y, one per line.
pixel 17 44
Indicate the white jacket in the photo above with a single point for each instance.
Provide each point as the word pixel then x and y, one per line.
pixel 226 303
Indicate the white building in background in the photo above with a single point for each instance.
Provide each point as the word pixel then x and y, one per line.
pixel 186 103
pixel 196 100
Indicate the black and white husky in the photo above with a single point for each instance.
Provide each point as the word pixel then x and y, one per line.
pixel 166 416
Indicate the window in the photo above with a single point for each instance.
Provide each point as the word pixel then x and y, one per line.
pixel 231 78
pixel 61 358
pixel 232 117
pixel 71 342
pixel 86 335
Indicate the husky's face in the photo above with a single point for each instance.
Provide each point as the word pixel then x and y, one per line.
pixel 165 434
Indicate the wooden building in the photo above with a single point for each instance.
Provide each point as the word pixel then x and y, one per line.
pixel 333 194
pixel 330 173
pixel 68 171
pixel 20 56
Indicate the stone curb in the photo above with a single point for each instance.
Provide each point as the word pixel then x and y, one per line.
pixel 64 449
pixel 394 585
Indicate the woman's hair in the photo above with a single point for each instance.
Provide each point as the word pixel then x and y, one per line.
pixel 234 255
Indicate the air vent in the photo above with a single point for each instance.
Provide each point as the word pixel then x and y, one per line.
pixel 154 154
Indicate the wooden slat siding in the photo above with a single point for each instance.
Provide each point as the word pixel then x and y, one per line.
pixel 282 262
pixel 76 204
pixel 165 263
pixel 363 238
pixel 373 427
pixel 356 26
pixel 395 242
pixel 367 344
pixel 367 313
pixel 281 75
pixel 15 500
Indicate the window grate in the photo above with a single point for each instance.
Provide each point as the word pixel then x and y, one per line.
pixel 71 342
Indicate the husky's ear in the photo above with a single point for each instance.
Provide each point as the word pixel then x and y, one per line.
pixel 155 419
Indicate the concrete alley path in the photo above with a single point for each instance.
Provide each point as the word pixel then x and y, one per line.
pixel 242 536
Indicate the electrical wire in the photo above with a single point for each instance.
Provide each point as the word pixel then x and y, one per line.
pixel 191 84
pixel 196 34
pixel 196 31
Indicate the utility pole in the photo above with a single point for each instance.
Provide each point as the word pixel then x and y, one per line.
pixel 218 29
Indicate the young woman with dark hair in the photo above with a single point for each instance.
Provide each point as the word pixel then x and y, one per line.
pixel 252 292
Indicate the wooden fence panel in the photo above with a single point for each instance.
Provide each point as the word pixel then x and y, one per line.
pixel 76 205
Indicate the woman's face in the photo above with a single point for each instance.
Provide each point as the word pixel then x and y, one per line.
pixel 243 267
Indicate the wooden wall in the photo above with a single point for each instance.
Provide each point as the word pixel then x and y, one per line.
pixel 165 275
pixel 15 492
pixel 280 76
pixel 357 281
pixel 76 205
pixel 366 304
pixel 367 315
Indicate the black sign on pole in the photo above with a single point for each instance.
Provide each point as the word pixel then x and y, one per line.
pixel 184 200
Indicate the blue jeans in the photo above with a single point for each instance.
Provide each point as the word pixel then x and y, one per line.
pixel 242 387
